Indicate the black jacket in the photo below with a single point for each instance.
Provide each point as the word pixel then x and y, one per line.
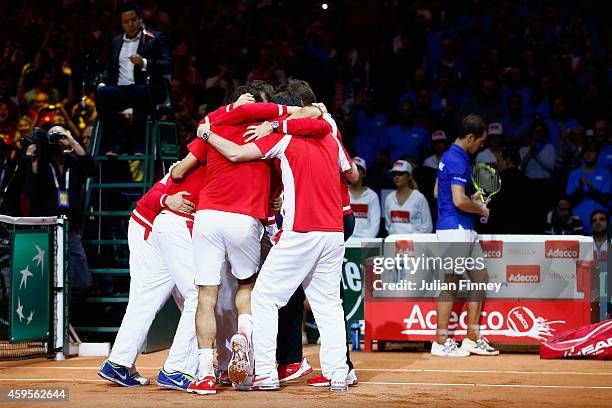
pixel 153 46
pixel 44 194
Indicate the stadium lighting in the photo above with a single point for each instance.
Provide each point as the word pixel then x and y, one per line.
pixel 324 6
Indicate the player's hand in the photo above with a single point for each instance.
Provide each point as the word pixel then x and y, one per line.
pixel 476 197
pixel 177 203
pixel 204 127
pixel 320 106
pixel 255 132
pixel 244 99
pixel 173 165
pixel 137 60
pixel 277 203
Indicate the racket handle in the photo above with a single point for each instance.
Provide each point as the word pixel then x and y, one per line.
pixel 484 219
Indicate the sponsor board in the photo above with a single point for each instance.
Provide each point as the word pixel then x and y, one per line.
pixel 522 274
pixel 561 249
pixel 492 249
pixel 512 321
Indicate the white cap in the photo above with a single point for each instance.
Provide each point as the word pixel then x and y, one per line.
pixel 438 135
pixel 360 162
pixel 495 128
pixel 401 166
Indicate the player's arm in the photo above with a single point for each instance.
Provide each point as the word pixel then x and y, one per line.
pixel 304 122
pixel 467 204
pixel 184 168
pixel 435 192
pixel 233 152
pixel 252 112
pixel 347 167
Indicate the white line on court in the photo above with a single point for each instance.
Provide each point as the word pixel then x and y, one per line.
pixel 417 384
pixel 487 385
pixel 391 370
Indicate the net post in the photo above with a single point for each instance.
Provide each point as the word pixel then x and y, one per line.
pixel 60 309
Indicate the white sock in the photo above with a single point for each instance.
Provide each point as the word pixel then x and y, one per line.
pixel 205 356
pixel 245 324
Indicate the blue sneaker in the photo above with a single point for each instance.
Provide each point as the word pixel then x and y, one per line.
pixel 120 375
pixel 175 380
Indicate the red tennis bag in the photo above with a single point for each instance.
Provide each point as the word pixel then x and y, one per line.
pixel 593 341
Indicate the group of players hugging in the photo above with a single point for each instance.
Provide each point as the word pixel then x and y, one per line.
pixel 208 234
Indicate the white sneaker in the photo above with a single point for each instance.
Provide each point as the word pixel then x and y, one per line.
pixel 480 347
pixel 448 349
pixel 240 365
pixel 351 378
pixel 338 382
pixel 267 382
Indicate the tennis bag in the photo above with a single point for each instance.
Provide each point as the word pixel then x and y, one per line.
pixel 593 342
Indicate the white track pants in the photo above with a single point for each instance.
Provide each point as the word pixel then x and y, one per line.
pixel 313 259
pixel 145 258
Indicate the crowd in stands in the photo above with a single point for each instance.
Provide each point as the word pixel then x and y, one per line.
pixel 396 75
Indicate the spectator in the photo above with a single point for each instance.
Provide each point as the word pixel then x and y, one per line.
pixel 406 209
pixel 487 103
pixel 135 54
pixel 515 123
pixel 44 84
pixel 365 204
pixel 589 186
pixel 56 179
pixel 539 102
pixel 571 155
pixel 599 226
pixel 561 221
pixel 495 141
pixel 440 145
pixel 602 139
pixel 369 133
pixel 559 123
pixel 509 215
pixel 405 137
pixel 538 159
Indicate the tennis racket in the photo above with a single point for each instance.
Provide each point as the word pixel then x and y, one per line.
pixel 486 180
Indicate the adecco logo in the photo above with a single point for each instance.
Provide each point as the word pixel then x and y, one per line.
pixel 523 273
pixel 561 249
pixel 492 249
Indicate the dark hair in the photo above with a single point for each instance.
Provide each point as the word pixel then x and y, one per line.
pixel 599 212
pixel 286 98
pixel 564 198
pixel 300 87
pixel 125 7
pixel 472 124
pixel 248 88
pixel 260 86
pixel 512 154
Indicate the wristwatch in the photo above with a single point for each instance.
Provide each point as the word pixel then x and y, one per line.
pixel 206 135
pixel 275 125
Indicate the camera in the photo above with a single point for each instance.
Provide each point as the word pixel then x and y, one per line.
pixel 40 137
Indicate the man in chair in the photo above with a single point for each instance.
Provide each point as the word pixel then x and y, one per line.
pixel 136 54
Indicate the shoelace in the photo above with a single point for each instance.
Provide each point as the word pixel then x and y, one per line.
pixel 483 344
pixel 450 346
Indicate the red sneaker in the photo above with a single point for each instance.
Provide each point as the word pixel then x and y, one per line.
pixel 206 385
pixel 320 381
pixel 288 372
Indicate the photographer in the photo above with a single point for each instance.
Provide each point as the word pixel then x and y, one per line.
pixel 55 179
